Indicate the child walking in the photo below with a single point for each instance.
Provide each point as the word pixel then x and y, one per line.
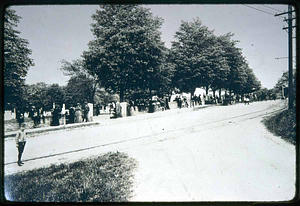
pixel 20 142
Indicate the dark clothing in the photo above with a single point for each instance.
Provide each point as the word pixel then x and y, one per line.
pixel 71 115
pixel 20 117
pixel 167 103
pixel 86 112
pixel 21 146
pixel 35 117
pixel 55 117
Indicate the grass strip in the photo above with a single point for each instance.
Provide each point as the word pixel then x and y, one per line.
pixel 106 178
pixel 283 124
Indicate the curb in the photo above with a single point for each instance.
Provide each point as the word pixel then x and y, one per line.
pixel 200 107
pixel 53 128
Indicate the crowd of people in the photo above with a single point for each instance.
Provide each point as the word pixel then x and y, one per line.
pixel 36 114
pixel 79 113
pixel 76 114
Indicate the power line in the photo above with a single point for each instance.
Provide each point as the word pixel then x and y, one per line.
pixel 272 8
pixel 260 10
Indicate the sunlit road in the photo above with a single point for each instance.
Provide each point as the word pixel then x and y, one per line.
pixel 220 153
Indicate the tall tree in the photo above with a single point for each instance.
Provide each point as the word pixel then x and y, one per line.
pixel 80 88
pixel 251 83
pixel 282 82
pixel 127 50
pixel 219 65
pixel 191 54
pixel 55 94
pixel 16 60
pixel 236 62
pixel 35 94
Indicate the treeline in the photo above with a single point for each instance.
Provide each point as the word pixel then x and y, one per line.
pixel 128 54
pixel 127 57
pixel 78 90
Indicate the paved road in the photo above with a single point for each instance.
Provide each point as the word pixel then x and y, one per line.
pixel 214 154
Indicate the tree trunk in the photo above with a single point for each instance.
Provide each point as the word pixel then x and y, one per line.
pixel 220 93
pixel 206 88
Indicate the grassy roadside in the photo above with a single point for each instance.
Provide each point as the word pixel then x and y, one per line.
pixel 283 124
pixel 106 178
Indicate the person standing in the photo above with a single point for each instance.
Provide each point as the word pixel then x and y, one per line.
pixel 118 110
pixel 199 100
pixel 71 114
pixel 177 100
pixel 42 115
pixel 78 116
pixel 86 110
pixel 55 116
pixel 98 109
pixel 167 103
pixel 35 117
pixel 19 117
pixel 20 143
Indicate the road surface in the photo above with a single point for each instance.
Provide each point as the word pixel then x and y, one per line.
pixel 220 153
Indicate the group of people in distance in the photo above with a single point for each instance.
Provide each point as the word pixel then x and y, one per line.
pixel 36 114
pixel 78 114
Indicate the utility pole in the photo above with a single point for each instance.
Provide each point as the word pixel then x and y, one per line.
pixel 290 50
pixel 290 22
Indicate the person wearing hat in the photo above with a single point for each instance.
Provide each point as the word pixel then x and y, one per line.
pixel 20 142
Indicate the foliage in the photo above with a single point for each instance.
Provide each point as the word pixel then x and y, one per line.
pixel 43 95
pixel 220 67
pixel 236 62
pixel 79 89
pixel 127 50
pixel 283 124
pixel 190 55
pixel 251 83
pixel 56 94
pixel 84 85
pixel 202 59
pixel 16 60
pixel 283 82
pixel 36 95
pixel 106 178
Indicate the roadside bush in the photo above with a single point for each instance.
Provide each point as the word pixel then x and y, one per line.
pixel 106 178
pixel 283 124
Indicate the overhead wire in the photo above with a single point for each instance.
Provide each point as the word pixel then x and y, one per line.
pixel 258 9
pixel 272 8
pixel 261 10
pixel 267 12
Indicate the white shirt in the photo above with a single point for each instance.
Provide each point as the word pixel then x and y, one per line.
pixel 20 137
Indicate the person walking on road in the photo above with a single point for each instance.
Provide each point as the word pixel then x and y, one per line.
pixel 20 143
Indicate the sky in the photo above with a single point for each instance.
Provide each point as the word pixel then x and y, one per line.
pixel 57 32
